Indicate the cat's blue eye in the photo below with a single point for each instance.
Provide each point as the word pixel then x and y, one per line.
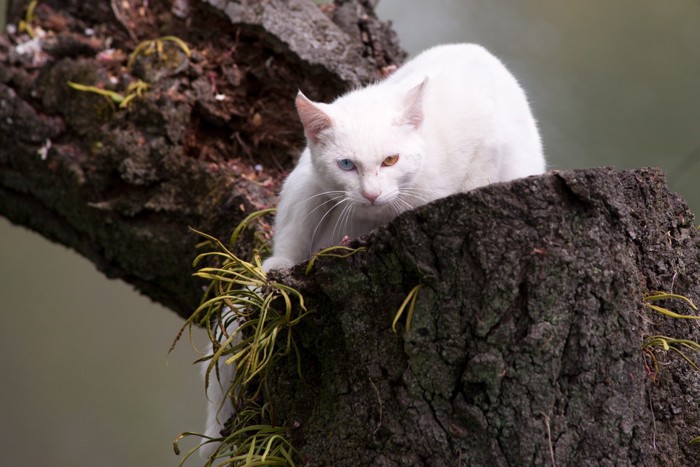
pixel 346 164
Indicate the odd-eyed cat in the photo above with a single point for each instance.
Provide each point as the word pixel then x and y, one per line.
pixel 449 120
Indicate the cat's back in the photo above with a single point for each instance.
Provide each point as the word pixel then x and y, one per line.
pixel 462 78
pixel 472 59
pixel 453 70
pixel 473 102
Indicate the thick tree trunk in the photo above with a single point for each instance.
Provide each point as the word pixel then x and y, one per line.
pixel 208 142
pixel 525 347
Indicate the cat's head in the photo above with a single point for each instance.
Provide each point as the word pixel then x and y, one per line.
pixel 368 145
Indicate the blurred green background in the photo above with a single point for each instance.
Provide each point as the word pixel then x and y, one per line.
pixel 83 359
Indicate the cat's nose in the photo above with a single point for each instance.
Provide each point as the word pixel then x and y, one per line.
pixel 371 196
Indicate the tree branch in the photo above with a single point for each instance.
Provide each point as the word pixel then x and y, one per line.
pixel 209 141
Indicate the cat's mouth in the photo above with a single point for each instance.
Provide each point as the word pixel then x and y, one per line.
pixel 378 209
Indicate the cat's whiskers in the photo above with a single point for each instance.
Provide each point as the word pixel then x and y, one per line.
pixel 329 200
pixel 395 206
pixel 341 222
pixel 412 201
pixel 350 218
pixel 334 235
pixel 341 192
pixel 402 201
pixel 422 194
pixel 419 196
pixel 345 199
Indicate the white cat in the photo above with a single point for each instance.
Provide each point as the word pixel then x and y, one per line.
pixel 450 120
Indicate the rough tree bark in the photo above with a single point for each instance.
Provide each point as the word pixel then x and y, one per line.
pixel 525 344
pixel 525 347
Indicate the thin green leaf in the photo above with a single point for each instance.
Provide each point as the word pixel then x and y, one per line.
pixel 659 295
pixel 686 358
pixel 180 43
pixel 331 252
pixel 410 298
pixel 670 313
pixel 115 96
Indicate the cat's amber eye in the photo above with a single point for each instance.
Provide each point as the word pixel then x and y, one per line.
pixel 390 160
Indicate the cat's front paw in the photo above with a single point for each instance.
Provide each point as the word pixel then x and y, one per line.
pixel 276 262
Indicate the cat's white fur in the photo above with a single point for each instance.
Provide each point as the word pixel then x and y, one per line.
pixel 454 115
pixel 456 118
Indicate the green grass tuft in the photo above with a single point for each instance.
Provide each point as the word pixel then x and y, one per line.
pixel 267 312
pixel 157 46
pixel 665 343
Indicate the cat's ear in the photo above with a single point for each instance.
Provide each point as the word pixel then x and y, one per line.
pixel 413 105
pixel 314 119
